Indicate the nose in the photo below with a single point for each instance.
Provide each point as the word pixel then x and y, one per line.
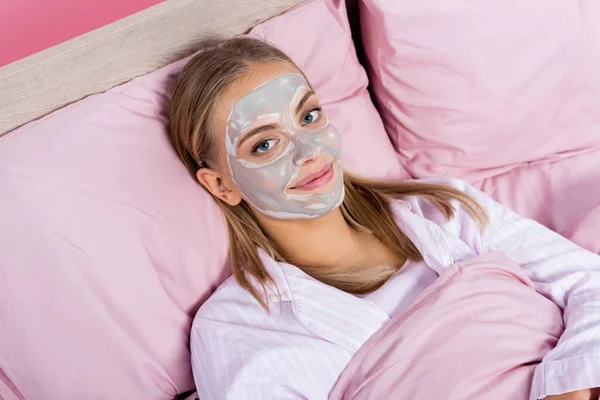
pixel 306 151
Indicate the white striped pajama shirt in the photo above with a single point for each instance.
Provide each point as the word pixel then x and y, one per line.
pixel 300 348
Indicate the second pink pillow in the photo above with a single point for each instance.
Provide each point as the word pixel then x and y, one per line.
pixel 471 89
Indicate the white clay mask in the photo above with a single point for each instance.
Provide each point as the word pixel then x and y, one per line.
pixel 266 165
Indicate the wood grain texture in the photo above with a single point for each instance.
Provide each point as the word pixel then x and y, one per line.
pixel 96 61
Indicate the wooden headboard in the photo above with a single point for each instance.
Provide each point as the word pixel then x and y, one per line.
pixel 96 61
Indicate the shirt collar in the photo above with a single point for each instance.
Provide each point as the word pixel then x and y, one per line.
pixel 335 315
pixel 326 312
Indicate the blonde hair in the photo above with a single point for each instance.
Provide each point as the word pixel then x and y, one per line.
pixel 366 205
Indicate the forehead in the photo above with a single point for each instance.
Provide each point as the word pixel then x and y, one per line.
pixel 271 97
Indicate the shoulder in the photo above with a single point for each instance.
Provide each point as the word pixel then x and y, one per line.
pixel 227 303
pixel 230 299
pixel 497 213
pixel 231 312
pixel 423 207
pixel 238 346
pixel 463 224
pixel 462 233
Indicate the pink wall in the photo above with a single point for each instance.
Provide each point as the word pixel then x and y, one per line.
pixel 28 26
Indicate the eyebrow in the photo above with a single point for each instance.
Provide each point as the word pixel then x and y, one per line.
pixel 256 131
pixel 304 100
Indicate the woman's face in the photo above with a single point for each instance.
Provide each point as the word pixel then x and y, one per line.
pixel 278 150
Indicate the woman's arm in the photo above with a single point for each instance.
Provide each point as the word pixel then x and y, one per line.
pixel 564 273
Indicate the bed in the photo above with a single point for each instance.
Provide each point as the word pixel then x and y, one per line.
pixel 107 244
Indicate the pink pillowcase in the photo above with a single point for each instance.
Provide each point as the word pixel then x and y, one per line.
pixel 109 245
pixel 474 88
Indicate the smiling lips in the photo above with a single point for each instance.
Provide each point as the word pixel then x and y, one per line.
pixel 315 180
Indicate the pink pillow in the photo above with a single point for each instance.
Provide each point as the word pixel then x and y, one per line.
pixel 109 245
pixel 474 88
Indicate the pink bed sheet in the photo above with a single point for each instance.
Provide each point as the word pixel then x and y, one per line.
pixel 562 194
pixel 438 348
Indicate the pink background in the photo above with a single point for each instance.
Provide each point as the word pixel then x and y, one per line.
pixel 28 26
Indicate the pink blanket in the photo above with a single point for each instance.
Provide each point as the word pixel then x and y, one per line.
pixel 477 333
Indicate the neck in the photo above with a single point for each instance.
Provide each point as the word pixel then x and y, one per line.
pixel 324 241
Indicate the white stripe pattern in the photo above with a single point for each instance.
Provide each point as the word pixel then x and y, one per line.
pixel 240 352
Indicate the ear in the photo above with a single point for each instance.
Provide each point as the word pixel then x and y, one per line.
pixel 221 187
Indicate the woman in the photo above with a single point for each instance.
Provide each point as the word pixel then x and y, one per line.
pixel 321 259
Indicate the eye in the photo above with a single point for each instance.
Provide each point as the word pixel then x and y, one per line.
pixel 311 116
pixel 264 146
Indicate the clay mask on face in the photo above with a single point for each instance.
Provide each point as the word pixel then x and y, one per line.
pixel 264 177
